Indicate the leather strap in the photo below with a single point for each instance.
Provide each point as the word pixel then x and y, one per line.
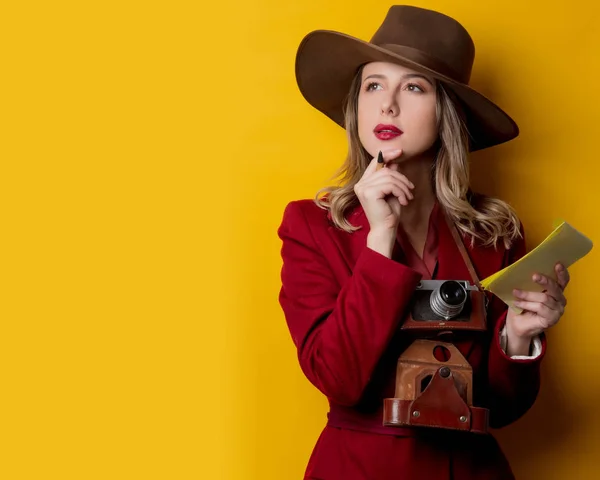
pixel 399 413
pixel 463 251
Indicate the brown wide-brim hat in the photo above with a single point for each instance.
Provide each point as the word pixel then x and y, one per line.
pixel 423 40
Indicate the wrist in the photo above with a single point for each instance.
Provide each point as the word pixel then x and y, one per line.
pixel 382 241
pixel 520 346
pixel 518 343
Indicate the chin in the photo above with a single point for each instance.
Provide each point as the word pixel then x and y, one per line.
pixel 374 148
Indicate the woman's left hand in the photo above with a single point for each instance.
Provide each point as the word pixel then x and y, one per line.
pixel 541 310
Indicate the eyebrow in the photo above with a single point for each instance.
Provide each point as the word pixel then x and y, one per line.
pixel 404 77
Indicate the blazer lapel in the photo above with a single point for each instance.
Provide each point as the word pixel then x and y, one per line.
pixel 486 261
pixel 450 262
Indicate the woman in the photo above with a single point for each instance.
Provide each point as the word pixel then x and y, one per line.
pixel 353 257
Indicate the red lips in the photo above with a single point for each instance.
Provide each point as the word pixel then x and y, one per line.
pixel 387 132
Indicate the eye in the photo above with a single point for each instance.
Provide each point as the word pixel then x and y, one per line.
pixel 413 87
pixel 373 86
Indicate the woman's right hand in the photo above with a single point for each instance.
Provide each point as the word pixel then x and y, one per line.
pixel 382 193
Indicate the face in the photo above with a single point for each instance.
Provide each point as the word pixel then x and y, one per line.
pixel 396 110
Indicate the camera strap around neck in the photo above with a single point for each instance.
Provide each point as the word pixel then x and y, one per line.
pixel 463 251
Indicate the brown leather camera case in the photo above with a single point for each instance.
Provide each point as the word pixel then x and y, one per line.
pixel 434 393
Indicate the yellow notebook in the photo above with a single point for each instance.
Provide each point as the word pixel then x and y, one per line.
pixel 564 244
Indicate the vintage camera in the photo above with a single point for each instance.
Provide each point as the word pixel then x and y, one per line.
pixel 446 305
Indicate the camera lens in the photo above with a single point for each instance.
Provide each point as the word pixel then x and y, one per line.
pixel 453 293
pixel 448 299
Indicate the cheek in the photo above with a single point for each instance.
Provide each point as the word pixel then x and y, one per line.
pixel 425 122
pixel 364 116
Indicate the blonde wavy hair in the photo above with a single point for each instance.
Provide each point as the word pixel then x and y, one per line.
pixel 482 218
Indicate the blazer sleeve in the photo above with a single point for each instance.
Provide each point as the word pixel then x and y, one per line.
pixel 340 330
pixel 514 383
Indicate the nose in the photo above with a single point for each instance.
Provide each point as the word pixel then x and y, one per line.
pixel 389 105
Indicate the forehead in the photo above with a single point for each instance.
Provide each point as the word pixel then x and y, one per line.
pixel 387 69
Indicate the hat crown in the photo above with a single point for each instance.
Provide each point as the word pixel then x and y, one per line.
pixel 431 34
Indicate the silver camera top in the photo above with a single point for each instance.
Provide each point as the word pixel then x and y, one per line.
pixel 434 284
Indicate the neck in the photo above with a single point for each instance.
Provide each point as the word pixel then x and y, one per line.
pixel 415 216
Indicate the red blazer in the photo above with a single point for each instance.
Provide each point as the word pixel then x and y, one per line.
pixel 343 304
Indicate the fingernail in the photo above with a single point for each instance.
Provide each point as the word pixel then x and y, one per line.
pixel 537 278
pixel 517 292
pixel 561 267
pixel 380 157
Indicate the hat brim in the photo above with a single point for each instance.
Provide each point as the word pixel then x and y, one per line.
pixel 327 61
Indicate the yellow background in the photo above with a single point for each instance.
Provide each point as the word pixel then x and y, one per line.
pixel 148 150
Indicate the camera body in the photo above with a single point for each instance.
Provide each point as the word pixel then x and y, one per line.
pixel 446 305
